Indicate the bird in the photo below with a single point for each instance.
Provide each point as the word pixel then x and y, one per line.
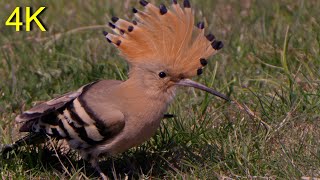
pixel 164 49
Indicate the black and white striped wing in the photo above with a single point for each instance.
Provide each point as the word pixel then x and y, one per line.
pixel 69 117
pixel 49 106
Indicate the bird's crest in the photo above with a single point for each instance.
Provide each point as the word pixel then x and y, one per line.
pixel 164 36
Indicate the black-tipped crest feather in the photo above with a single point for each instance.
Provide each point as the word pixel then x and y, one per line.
pixel 163 9
pixel 217 45
pixel 143 2
pixel 186 4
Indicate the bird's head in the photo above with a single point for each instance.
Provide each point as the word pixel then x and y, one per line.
pixel 164 47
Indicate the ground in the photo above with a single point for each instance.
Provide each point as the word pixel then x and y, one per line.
pixel 270 62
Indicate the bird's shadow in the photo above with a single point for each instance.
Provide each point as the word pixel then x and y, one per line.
pixel 132 165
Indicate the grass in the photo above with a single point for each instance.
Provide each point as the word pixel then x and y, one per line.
pixel 270 62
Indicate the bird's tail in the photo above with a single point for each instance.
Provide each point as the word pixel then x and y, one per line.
pixel 31 138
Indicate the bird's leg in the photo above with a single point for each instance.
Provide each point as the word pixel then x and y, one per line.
pixel 95 164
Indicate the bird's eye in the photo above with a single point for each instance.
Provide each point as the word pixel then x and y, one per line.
pixel 162 74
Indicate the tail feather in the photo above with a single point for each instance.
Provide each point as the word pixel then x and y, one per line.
pixel 31 138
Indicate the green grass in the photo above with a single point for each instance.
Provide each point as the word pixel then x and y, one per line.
pixel 270 62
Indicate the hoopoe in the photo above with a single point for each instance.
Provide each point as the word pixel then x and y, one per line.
pixel 164 49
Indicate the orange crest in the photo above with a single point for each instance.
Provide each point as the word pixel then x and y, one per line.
pixel 165 37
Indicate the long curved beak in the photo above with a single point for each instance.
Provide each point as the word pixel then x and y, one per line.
pixel 190 83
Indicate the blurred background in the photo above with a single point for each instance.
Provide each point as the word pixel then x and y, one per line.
pixel 270 62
